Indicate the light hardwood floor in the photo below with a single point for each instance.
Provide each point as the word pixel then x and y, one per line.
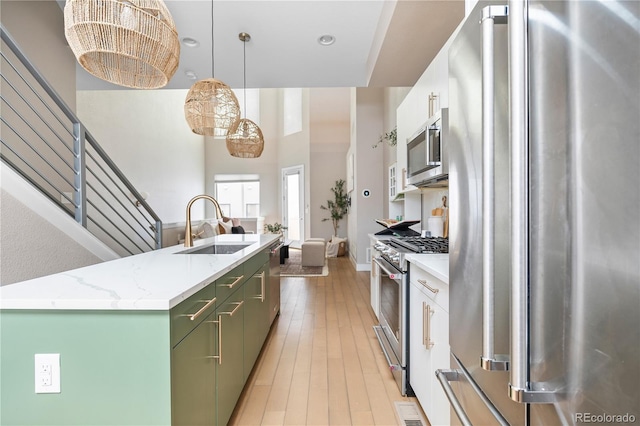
pixel 322 363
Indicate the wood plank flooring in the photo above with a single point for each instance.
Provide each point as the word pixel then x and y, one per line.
pixel 322 363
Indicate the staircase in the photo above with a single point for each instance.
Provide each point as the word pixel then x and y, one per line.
pixel 44 142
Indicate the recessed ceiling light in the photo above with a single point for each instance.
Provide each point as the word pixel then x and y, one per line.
pixel 191 75
pixel 326 39
pixel 190 42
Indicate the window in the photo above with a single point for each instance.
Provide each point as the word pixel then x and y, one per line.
pixel 292 111
pixel 238 195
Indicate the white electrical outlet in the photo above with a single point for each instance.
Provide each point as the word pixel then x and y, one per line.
pixel 47 373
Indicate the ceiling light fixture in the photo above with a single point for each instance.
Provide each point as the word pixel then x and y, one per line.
pixel 246 141
pixel 129 43
pixel 326 39
pixel 211 108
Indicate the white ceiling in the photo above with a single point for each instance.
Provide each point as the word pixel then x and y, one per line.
pixel 378 43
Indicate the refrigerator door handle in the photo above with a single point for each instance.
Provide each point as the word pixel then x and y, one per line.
pixel 446 376
pixel 520 388
pixel 489 360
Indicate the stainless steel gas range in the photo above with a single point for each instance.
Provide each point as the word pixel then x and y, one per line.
pixel 389 270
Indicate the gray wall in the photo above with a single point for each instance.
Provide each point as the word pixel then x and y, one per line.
pixel 32 247
pixel 369 172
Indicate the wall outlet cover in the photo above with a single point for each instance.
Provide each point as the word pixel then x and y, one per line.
pixel 47 373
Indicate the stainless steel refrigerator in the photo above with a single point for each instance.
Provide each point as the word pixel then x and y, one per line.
pixel 544 148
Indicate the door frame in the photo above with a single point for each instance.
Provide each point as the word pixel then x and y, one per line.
pixel 299 170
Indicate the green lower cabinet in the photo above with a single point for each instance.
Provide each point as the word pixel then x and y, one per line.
pixel 230 366
pixel 114 367
pixel 193 376
pixel 256 316
pixel 184 367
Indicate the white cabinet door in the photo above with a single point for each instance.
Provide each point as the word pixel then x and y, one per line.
pixel 419 355
pixel 439 412
pixel 393 190
pixel 428 342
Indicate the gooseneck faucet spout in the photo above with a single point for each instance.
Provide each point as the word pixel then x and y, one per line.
pixel 188 236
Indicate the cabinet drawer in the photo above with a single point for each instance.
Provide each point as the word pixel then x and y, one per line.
pixel 189 313
pixel 256 262
pixel 434 288
pixel 229 282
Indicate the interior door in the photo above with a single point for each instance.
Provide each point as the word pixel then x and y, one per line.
pixel 293 203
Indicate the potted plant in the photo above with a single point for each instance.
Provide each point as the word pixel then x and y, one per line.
pixel 276 228
pixel 337 207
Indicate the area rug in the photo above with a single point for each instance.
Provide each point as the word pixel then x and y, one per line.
pixel 292 266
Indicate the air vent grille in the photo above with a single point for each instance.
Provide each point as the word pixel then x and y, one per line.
pixel 409 414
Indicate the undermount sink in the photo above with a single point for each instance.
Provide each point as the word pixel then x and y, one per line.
pixel 216 249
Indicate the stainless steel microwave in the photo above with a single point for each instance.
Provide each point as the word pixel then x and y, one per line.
pixel 427 153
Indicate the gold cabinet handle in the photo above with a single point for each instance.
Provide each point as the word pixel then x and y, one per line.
pixel 233 283
pixel 238 304
pixel 426 325
pixel 219 322
pixel 201 310
pixel 433 290
pixel 262 280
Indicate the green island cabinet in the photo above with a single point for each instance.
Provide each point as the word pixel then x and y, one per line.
pixel 185 366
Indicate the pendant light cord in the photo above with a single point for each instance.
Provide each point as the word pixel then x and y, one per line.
pixel 212 45
pixel 244 73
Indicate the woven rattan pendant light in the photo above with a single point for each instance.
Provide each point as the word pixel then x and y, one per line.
pixel 211 108
pixel 131 43
pixel 247 140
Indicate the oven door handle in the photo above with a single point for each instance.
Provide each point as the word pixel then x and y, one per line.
pixel 383 266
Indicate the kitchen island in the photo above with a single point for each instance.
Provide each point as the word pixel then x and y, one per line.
pixel 164 337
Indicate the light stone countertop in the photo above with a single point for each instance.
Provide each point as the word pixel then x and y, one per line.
pixel 156 280
pixel 435 264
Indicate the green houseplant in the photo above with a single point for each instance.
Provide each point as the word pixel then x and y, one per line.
pixel 337 207
pixel 276 228
pixel 391 138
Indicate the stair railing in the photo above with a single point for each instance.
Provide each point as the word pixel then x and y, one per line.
pixel 44 141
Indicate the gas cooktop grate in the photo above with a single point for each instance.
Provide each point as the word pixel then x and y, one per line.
pixel 423 244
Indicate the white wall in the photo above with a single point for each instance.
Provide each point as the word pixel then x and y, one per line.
pixel 329 145
pixel 145 133
pixel 366 127
pixel 219 161
pixel 468 6
pixel 294 150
